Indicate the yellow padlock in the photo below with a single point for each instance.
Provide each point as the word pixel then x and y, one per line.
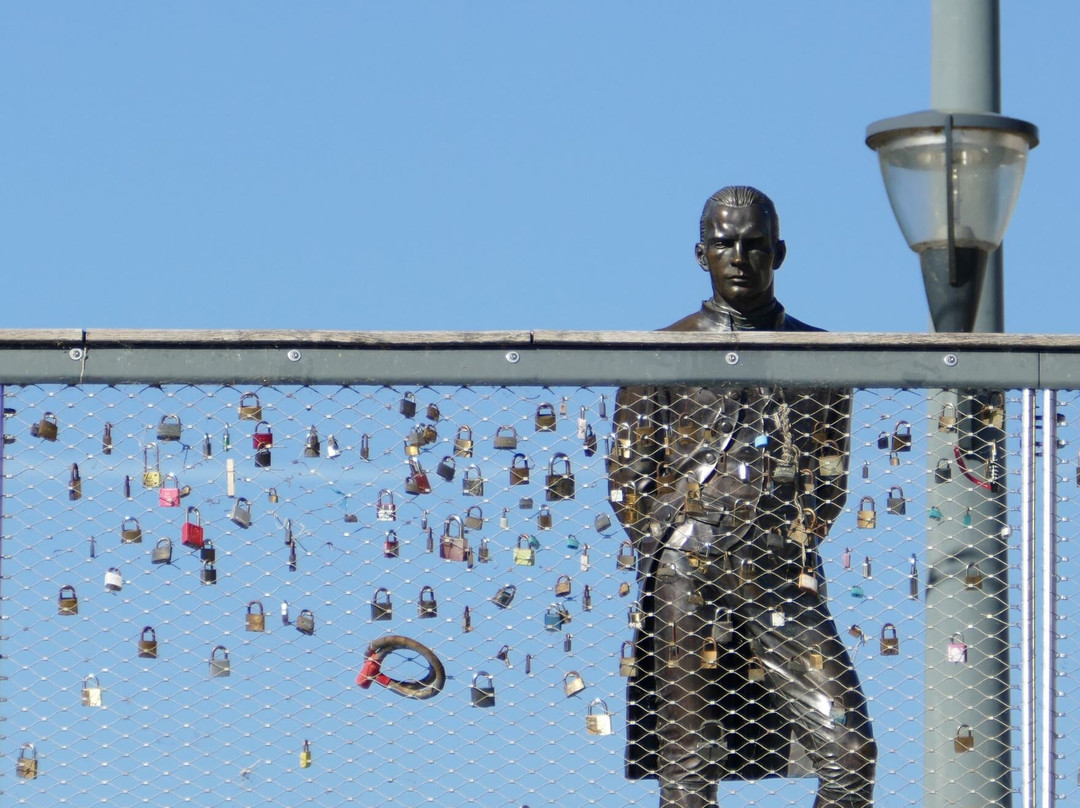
pixel 305 756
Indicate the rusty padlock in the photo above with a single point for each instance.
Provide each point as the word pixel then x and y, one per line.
pixel 148 645
pixel 255 619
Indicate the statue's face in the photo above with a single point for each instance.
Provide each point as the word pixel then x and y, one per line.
pixel 740 252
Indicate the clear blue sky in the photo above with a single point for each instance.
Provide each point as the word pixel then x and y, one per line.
pixel 480 165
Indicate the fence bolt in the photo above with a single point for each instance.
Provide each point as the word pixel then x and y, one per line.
pixel 950 360
pixel 513 357
pixel 294 355
pixel 732 358
pixel 76 354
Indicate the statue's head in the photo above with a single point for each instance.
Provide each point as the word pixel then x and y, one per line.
pixel 740 246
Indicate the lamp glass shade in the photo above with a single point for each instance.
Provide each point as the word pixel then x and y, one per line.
pixel 987 168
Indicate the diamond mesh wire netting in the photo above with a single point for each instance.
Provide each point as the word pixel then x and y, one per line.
pixel 192 577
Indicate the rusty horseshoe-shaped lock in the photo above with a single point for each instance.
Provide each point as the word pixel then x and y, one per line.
pixel 427 607
pixel 148 645
pixel 559 484
pixel 381 607
pixel 255 619
pixel 169 428
pixel 219 664
pixel 249 408
pixel 483 694
pixel 305 622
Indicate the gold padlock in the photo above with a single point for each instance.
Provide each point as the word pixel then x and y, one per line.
pixel 91 692
pixel 964 740
pixel 305 756
pixel 255 619
pixel 710 655
pixel 627 659
pixel 27 766
pixel 463 443
pixel 867 515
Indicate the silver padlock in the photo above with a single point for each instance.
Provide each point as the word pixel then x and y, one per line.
pixel 91 692
pixel 573 683
pixel 483 695
pixel 114 581
pixel 241 513
pixel 220 665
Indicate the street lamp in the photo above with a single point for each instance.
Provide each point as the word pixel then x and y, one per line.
pixel 953 180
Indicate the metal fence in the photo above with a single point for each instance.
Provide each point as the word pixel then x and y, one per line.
pixel 203 533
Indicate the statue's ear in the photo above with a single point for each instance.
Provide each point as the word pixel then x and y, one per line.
pixel 779 254
pixel 699 254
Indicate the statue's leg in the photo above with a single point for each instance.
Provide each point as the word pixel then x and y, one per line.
pixel 807 665
pixel 688 728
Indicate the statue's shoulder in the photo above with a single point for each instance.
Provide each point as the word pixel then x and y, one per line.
pixel 698 321
pixel 795 324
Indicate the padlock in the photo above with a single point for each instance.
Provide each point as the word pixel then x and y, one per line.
pixel 830 460
pixel 519 470
pixel 890 642
pixel 506 438
pixel 894 459
pixel 417 481
pixel 485 551
pixel 106 440
pixel 407 405
pixel 942 471
pixel 285 619
pixel 151 474
pixel 226 441
pixel 524 554
pixel 598 718
pixel 589 441
pixel 601 522
pixel 249 408
pixel 867 570
pixel 391 545
pixel 385 509
pixel 807 581
pixel 272 496
pixel 209 573
pixel 627 659
pixel 255 619
pixel 934 513
pixel 207 447
pixel 463 442
pixel 305 622
pixel 947 418
pixel 332 448
pixel 74 483
pixel 559 485
pixel 755 671
pixel 692 502
pixel 466 620
pixel 973 577
pixel 413 442
pixel 913 578
pixel 857 592
pixel 472 482
pixel 114 581
pixel 220 665
pixel 241 513
pixel 505 596
pixel 572 542
pixel 573 683
pixel 365 446
pixel 710 655
pixel 191 533
pixel 586 599
pixel 956 651
pixel 545 418
pixel 305 756
pixel 845 559
pixel 447 468
pixel 169 492
pixel 525 504
pixel 895 502
pixel 263 437
pixel 26 767
pixel 312 445
pixel 723 627
pixel 474 517
pixel 381 609
pixel 162 552
pixel 130 531
pixel 483 695
pixel 867 515
pixel 429 540
pixel 427 606
pixel 68 602
pixel 544 520
pixel 169 428
pixel 815 660
pixel 866 470
pixel 292 557
pixel 47 428
pixel 992 413
pixel 503 655
pixel 432 412
pixel 92 691
pixel 964 740
pixel 562 586
pixel 148 647
pixel 454 545
pixel 901 438
pixel 626 559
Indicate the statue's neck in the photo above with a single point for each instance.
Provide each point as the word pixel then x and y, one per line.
pixel 764 318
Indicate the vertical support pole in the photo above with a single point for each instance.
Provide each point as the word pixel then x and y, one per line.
pixel 1027 600
pixel 965 77
pixel 1048 649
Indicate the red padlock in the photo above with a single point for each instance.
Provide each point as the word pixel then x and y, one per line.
pixel 419 477
pixel 263 438
pixel 191 533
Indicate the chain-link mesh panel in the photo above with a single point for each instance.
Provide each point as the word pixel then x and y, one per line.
pixel 193 578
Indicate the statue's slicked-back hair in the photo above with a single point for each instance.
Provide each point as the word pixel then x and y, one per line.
pixel 740 196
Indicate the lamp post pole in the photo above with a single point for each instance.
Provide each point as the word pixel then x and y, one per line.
pixel 965 77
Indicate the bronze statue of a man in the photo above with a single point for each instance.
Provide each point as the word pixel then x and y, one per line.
pixel 726 493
